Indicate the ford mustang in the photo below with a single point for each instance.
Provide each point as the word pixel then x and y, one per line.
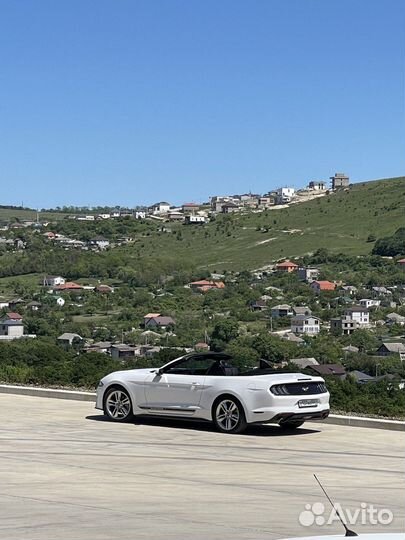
pixel 208 386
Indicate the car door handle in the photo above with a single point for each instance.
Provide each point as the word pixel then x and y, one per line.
pixel 195 384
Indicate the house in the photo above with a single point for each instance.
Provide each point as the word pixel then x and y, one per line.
pixel 201 346
pixel 322 286
pixel 68 339
pixel 285 194
pixel 395 318
pixel 4 303
pixel 286 266
pixel 15 302
pixel 99 242
pixel 156 320
pixel 175 215
pixel 301 310
pixel 369 302
pixel 195 220
pixel 34 306
pixel 149 352
pixel 104 289
pixel 121 350
pixel 340 180
pixel 190 208
pixel 204 285
pixel 258 305
pixel 350 349
pixel 69 286
pixel 358 314
pixel 317 185
pixel 266 201
pixel 350 289
pixel 302 324
pixel 359 376
pixel 159 208
pixel 140 214
pixel 102 347
pixel 11 329
pixel 304 362
pixel 388 349
pixel 343 325
pixel 293 338
pixel 53 281
pixel 282 310
pixel 308 273
pixel 13 316
pixel 381 291
pixel 230 208
pixel 328 369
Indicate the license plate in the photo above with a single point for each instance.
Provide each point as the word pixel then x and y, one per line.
pixel 308 403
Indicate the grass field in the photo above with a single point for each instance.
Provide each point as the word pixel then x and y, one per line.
pixel 341 222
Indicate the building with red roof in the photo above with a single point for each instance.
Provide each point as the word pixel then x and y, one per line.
pixel 287 266
pixel 320 286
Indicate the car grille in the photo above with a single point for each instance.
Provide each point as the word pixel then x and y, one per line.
pixel 298 389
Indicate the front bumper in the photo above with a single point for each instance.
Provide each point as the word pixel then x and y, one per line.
pixel 99 398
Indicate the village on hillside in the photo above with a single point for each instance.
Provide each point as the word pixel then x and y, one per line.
pixel 83 292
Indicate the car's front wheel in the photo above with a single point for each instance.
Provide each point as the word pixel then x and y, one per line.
pixel 117 404
pixel 228 415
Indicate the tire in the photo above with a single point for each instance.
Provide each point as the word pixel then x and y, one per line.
pixel 291 425
pixel 117 404
pixel 228 415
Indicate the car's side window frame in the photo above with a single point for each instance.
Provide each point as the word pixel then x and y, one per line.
pixel 185 360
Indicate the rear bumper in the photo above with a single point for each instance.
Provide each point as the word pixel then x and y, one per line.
pixel 299 417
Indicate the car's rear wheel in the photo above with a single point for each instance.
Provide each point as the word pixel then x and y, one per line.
pixel 291 425
pixel 117 404
pixel 228 415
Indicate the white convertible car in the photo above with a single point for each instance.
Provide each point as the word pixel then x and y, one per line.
pixel 208 386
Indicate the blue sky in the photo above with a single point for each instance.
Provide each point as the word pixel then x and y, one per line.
pixel 131 101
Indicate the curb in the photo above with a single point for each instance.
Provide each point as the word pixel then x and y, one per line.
pixel 359 421
pixel 75 395
pixel 47 392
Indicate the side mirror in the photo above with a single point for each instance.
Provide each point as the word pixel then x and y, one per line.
pixel 158 372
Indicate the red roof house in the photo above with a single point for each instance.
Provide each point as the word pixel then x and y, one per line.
pixel 14 316
pixel 205 285
pixel 319 286
pixel 286 266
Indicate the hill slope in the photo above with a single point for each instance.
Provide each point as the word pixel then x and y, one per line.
pixel 341 222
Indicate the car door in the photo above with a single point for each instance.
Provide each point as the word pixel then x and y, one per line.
pixel 179 388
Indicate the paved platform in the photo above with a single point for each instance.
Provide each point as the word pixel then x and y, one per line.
pixel 67 474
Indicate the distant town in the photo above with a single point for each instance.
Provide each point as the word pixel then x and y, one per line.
pixel 86 288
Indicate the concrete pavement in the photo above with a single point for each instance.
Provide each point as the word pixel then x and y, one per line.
pixel 66 474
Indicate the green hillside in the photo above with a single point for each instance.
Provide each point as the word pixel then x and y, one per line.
pixel 7 214
pixel 340 222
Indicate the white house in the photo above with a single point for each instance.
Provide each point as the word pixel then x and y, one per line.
pixel 368 302
pixel 195 220
pixel 100 242
pixel 12 329
pixel 53 281
pixel 159 208
pixel 140 214
pixel 302 324
pixel 306 273
pixel 358 314
pixel 285 194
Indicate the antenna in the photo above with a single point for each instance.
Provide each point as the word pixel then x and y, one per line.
pixel 348 531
